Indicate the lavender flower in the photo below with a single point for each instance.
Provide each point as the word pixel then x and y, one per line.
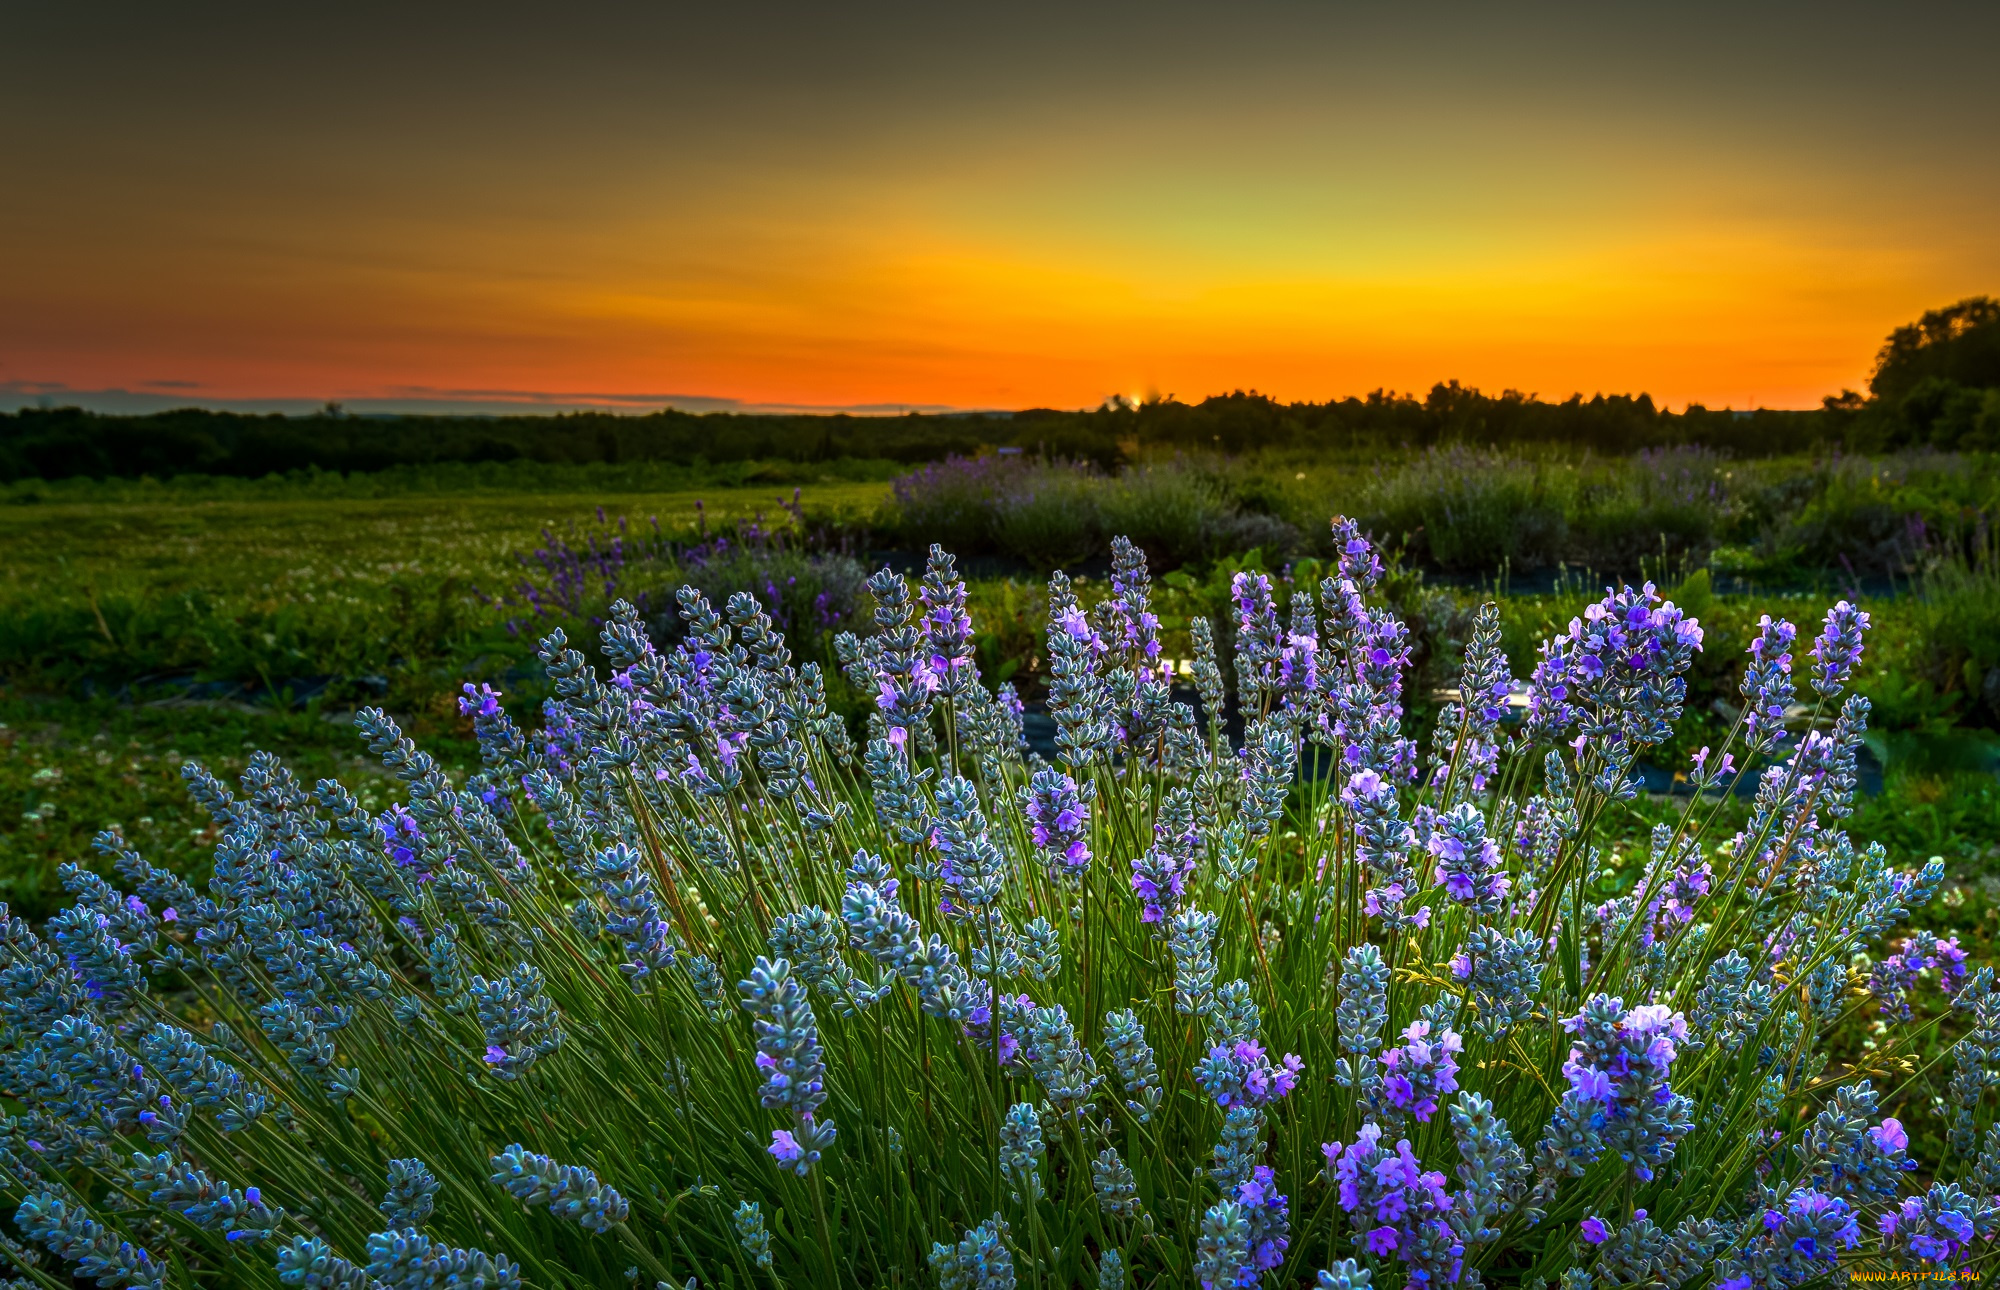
pixel 412 1194
pixel 1838 648
pixel 1362 1012
pixel 1397 1207
pixel 788 1053
pixel 409 1260
pixel 1620 1062
pixel 1059 821
pixel 751 1233
pixel 946 627
pixel 570 1192
pixel 1160 876
pixel 1493 1173
pixel 522 1024
pixel 1468 861
pixel 1844 1155
pixel 1223 1248
pixel 1111 1179
pixel 1939 1227
pixel 1192 947
pixel 1021 1150
pixel 1132 1059
pixel 981 1261
pixel 904 683
pixel 1975 1066
pixel 1269 1214
pixel 1767 684
pixel 627 885
pixel 1502 973
pixel 1242 1074
pixel 1135 628
pixel 215 1206
pixel 1793 1245
pixel 1067 1073
pixel 1259 643
pixel 1421 1070
pixel 1077 697
pixel 1382 843
pixel 74 1237
pixel 1345 1274
pixel 310 1262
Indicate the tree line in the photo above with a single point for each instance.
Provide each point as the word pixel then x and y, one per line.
pixel 1936 383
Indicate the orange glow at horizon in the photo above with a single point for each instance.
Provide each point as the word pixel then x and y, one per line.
pixel 1009 251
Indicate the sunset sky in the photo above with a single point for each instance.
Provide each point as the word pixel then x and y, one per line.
pixel 980 206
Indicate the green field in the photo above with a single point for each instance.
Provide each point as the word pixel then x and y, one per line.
pixel 158 623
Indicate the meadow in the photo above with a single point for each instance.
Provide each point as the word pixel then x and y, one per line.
pixel 1084 1075
pixel 145 619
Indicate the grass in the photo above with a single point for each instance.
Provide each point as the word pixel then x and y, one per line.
pixel 143 621
pixel 295 590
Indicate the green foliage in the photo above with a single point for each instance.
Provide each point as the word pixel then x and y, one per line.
pixel 1959 344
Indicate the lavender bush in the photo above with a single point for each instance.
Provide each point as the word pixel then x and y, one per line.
pixel 684 988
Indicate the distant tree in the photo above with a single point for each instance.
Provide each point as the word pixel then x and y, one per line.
pixel 1959 343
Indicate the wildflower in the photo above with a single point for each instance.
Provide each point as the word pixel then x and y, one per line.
pixel 1767 684
pixel 1795 1244
pixel 1132 1059
pixel 1111 1179
pixel 980 1261
pixel 751 1233
pixel 1021 1150
pixel 1421 1070
pixel 570 1192
pixel 1242 1074
pixel 1059 821
pixel 1160 876
pixel 409 1260
pixel 412 1194
pixel 1468 861
pixel 788 1053
pixel 1621 1061
pixel 1838 648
